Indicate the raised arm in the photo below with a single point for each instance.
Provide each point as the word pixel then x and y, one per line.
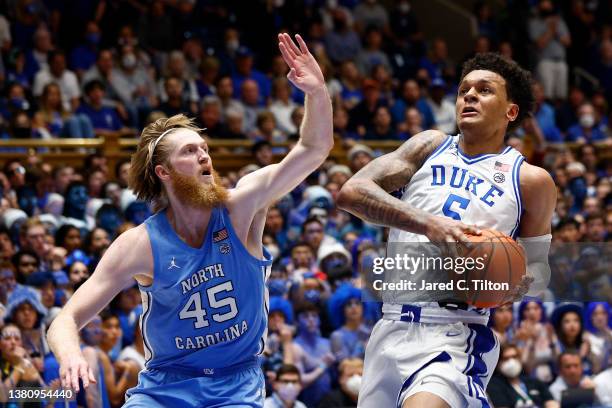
pixel 366 194
pixel 129 255
pixel 261 188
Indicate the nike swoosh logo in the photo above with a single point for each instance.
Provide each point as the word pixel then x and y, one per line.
pixel 451 334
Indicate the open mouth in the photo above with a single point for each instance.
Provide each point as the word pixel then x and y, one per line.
pixel 206 173
pixel 469 111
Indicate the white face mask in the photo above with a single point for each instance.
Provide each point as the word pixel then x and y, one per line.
pixel 353 384
pixel 587 121
pixel 129 61
pixel 288 392
pixel 511 368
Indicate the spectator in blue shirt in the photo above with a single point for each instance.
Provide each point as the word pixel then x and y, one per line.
pixel 587 129
pixel 411 96
pixel 545 116
pixel 244 71
pixel 103 118
pixel 84 56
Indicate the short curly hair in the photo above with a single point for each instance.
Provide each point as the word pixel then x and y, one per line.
pixel 518 81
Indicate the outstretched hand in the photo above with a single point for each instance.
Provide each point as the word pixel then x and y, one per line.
pixel 304 71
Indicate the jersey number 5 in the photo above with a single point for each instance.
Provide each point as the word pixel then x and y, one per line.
pixel 199 313
pixel 452 199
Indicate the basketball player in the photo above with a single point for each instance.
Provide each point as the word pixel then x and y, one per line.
pixel 434 354
pixel 198 260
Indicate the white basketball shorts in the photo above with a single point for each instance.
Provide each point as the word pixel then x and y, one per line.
pixel 454 361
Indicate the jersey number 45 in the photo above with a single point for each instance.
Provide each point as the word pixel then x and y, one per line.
pixel 193 308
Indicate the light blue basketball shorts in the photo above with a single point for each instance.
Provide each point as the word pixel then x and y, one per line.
pixel 241 388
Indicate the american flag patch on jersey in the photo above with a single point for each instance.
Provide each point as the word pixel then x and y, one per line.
pixel 502 166
pixel 220 235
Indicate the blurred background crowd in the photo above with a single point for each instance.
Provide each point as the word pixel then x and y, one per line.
pixel 84 68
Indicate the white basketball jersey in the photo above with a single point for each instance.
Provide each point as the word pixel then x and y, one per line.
pixel 480 190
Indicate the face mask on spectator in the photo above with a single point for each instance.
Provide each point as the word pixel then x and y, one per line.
pixel 353 384
pixel 587 121
pixel 277 287
pixel 511 368
pixel 129 61
pixel 288 392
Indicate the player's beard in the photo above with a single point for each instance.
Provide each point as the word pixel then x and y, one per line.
pixel 192 192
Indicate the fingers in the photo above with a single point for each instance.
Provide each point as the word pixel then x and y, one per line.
pixel 472 229
pixel 92 377
pixel 302 44
pixel 286 55
pixel 289 42
pixel 74 378
pixel 84 374
pixel 290 48
pixel 292 75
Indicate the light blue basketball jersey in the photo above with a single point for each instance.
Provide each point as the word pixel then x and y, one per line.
pixel 207 308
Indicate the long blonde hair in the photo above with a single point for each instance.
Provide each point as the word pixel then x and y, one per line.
pixel 151 152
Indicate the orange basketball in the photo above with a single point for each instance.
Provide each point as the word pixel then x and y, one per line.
pixel 501 266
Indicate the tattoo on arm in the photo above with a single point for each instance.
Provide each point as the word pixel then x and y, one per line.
pixel 370 186
pixel 378 207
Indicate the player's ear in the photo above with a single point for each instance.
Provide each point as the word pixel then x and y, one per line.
pixel 162 172
pixel 512 112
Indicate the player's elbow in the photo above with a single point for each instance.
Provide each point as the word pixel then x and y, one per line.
pixel 347 196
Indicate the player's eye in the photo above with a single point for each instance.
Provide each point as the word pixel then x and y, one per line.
pixel 462 91
pixel 486 90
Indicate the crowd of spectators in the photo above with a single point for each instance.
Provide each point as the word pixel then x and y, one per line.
pixel 75 69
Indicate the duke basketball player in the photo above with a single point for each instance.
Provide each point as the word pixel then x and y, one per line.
pixel 436 354
pixel 198 260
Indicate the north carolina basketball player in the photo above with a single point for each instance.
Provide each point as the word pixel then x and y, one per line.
pixel 435 354
pixel 199 260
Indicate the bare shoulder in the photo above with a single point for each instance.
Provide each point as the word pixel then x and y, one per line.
pixel 395 169
pixel 536 183
pixel 129 253
pixel 421 145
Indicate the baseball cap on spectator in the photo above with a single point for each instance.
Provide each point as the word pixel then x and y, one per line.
pixel 22 295
pixel 55 204
pixel 77 255
pixel 336 248
pixel 38 279
pixel 61 279
pixel 50 222
pixel 13 215
pixel 279 304
pixel 339 168
pixel 359 148
pixel 438 83
pixel 318 196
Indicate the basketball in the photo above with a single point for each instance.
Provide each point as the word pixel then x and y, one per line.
pixel 503 266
